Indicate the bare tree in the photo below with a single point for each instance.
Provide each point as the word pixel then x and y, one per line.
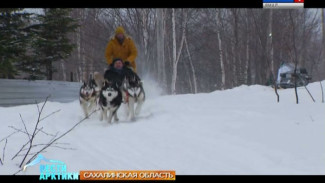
pixel 222 65
pixel 248 37
pixel 295 57
pixel 323 37
pixel 271 57
pixel 176 55
pixel 161 47
pixel 323 30
pixel 174 74
pixel 29 146
pixel 3 152
pixel 192 67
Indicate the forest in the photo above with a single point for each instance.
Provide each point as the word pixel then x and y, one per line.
pixel 184 50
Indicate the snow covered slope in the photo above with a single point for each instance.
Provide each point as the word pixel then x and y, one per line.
pixel 238 131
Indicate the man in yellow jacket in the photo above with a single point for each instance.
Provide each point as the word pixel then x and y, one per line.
pixel 121 46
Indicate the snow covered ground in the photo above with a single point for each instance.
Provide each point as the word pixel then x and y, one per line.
pixel 237 131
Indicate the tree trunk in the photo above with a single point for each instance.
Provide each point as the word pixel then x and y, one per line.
pixel 192 67
pixel 271 41
pixel 78 40
pixel 295 54
pixel 161 47
pixel 233 65
pixel 270 46
pixel 248 37
pixel 222 65
pixel 223 74
pixel 323 33
pixel 247 61
pixel 235 48
pixel 145 34
pixel 175 55
pixel 64 74
pixel 323 27
pixel 174 73
pixel 49 70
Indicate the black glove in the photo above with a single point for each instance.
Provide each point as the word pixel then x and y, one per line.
pixel 127 63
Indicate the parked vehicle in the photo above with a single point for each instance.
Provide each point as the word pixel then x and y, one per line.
pixel 287 75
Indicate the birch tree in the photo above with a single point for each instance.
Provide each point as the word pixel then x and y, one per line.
pixel 192 67
pixel 176 55
pixel 222 65
pixel 248 36
pixel 160 31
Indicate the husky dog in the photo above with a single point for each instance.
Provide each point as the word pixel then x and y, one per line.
pixel 110 99
pixel 88 96
pixel 133 92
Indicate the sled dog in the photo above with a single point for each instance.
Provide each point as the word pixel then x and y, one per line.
pixel 110 99
pixel 88 97
pixel 133 93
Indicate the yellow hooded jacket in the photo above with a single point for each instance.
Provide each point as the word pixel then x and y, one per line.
pixel 127 51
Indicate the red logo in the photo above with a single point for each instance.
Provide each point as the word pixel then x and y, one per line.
pixel 299 1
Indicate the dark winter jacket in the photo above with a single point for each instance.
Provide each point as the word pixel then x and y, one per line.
pixel 115 75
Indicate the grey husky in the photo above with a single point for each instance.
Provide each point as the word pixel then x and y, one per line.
pixel 133 94
pixel 88 97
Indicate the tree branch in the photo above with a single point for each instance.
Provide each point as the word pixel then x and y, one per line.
pixel 56 145
pixel 24 126
pixel 23 147
pixel 48 134
pixel 8 136
pixel 50 114
pixel 309 93
pixel 18 171
pixel 3 153
pixel 48 145
pixel 34 133
pixel 19 130
pixel 307 89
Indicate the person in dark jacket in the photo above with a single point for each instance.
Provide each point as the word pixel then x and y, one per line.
pixel 117 71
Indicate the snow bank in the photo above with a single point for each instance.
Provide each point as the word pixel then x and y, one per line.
pixel 238 131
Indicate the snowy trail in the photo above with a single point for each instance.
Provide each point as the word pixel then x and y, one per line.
pixel 237 131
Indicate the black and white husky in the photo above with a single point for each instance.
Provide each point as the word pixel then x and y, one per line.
pixel 88 96
pixel 110 100
pixel 133 93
